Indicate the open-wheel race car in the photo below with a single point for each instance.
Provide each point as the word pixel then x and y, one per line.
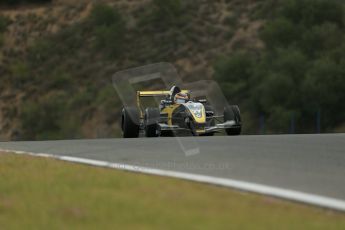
pixel 177 113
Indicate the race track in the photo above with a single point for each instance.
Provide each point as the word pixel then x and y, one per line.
pixel 308 163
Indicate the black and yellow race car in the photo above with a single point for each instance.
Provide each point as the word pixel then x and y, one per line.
pixel 177 113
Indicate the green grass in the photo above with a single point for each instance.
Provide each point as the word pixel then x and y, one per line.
pixel 38 193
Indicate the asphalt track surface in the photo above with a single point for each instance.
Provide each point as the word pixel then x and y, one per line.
pixel 312 164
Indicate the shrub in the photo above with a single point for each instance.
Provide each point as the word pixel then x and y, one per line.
pixel 1 40
pixel 321 38
pixel 41 51
pixel 168 9
pixel 109 39
pixel 325 86
pixel 170 13
pixel 313 12
pixel 42 120
pixel 300 72
pixel 3 23
pixel 3 26
pixel 109 30
pixel 47 53
pixel 236 70
pixel 280 33
pixel 104 15
pixel 20 73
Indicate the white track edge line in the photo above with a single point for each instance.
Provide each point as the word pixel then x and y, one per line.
pixel 292 195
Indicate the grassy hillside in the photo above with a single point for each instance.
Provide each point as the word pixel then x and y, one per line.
pixel 57 59
pixel 58 82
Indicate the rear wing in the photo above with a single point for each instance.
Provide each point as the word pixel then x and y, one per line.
pixel 160 93
pixel 156 93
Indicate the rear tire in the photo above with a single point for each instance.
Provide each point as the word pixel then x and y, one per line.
pixel 130 122
pixel 192 128
pixel 152 116
pixel 232 113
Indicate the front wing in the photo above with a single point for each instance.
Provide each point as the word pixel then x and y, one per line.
pixel 211 129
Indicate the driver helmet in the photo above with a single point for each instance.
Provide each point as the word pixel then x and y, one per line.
pixel 181 98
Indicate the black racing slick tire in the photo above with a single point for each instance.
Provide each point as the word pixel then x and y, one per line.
pixel 232 113
pixel 151 120
pixel 130 122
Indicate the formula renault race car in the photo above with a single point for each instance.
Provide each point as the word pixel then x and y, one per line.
pixel 177 113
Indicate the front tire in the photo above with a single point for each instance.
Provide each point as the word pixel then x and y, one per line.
pixel 130 122
pixel 232 113
pixel 152 116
